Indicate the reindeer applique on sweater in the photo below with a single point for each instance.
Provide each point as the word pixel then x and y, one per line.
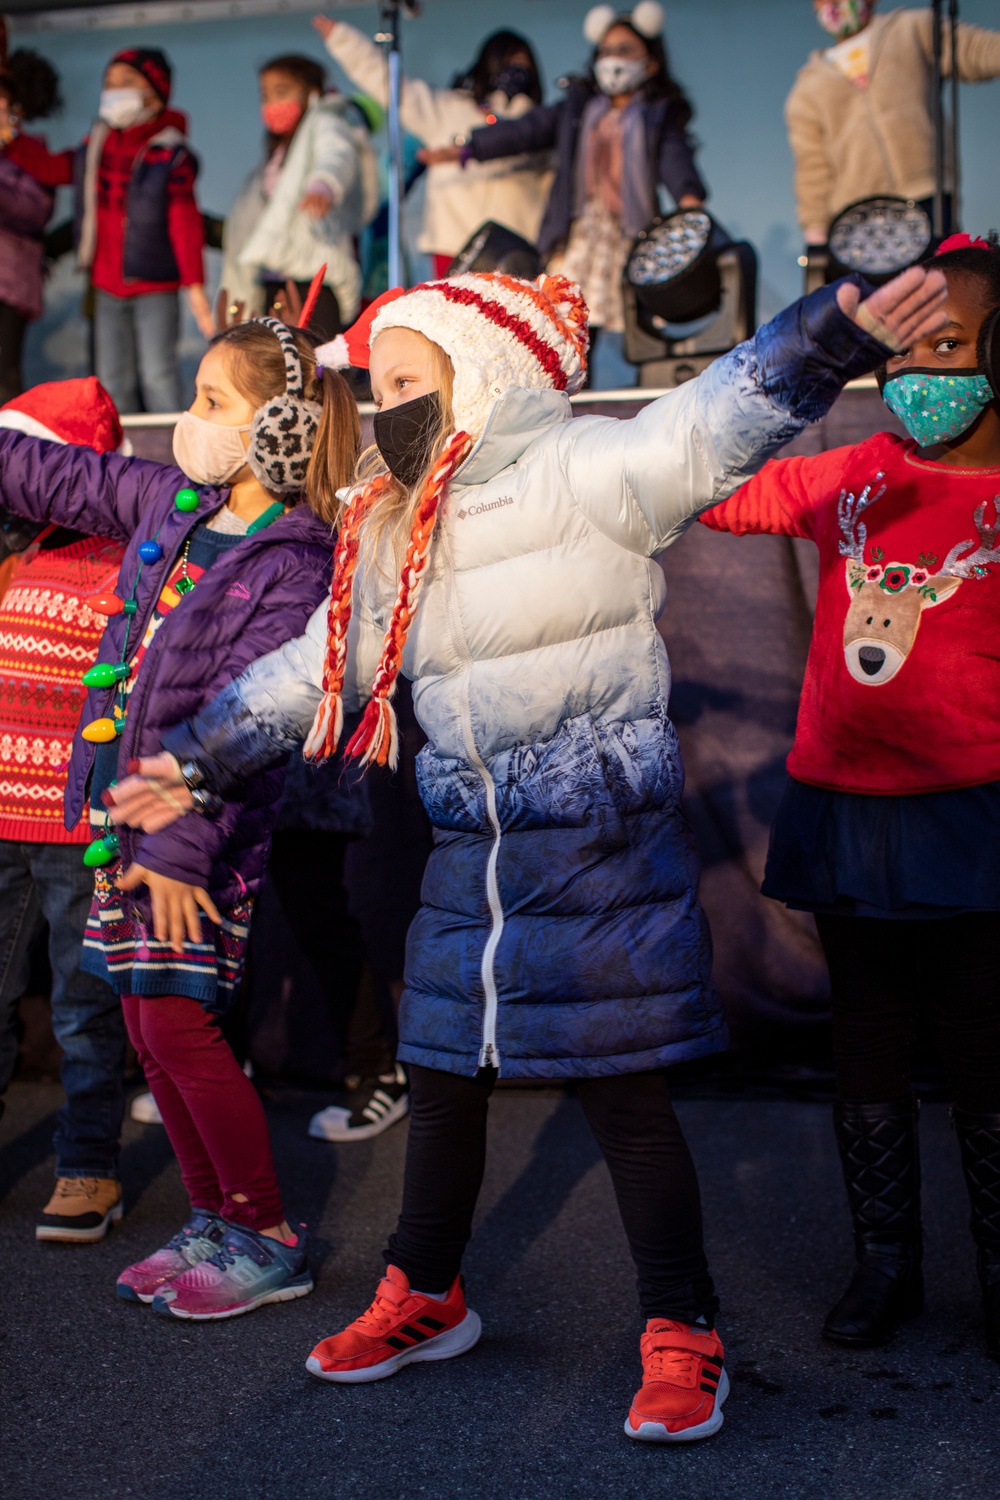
pixel 895 534
pixel 888 599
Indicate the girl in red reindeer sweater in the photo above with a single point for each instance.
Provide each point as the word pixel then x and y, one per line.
pixel 889 829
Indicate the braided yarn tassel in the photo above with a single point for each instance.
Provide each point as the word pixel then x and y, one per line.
pixel 324 736
pixel 376 740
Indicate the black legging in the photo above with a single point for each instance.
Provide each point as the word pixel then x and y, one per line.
pixel 654 1179
pixel 885 975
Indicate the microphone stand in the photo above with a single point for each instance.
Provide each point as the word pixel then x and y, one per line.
pixel 945 144
pixel 938 118
pixel 956 211
pixel 389 37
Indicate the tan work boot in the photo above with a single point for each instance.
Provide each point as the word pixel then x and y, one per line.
pixel 80 1209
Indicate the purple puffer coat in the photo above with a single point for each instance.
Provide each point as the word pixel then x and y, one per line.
pixel 25 209
pixel 257 596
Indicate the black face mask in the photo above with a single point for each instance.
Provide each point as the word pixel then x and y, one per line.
pixel 513 80
pixel 404 435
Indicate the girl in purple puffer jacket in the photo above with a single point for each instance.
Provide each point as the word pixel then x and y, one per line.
pixel 214 576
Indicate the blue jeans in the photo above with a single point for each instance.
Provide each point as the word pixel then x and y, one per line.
pixel 135 350
pixel 42 883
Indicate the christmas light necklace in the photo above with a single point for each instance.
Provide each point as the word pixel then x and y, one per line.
pixel 116 674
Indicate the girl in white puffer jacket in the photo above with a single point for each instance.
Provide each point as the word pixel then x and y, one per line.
pixel 560 935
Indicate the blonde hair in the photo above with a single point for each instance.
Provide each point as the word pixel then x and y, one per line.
pixel 385 530
pixel 257 369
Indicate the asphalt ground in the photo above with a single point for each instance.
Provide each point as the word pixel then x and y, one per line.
pixel 101 1398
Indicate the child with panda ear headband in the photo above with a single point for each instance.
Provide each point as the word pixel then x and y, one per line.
pixel 227 554
pixel 502 554
pixel 620 136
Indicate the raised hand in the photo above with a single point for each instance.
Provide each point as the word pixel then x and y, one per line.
pixel 907 308
pixel 437 156
pixel 152 798
pixel 323 25
pixel 177 906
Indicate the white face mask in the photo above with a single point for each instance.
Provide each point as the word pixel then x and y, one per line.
pixel 620 75
pixel 207 452
pixel 121 108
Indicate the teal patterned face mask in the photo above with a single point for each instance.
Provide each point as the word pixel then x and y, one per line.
pixel 934 406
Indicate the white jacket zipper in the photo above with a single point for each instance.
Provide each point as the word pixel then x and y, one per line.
pixel 489 1052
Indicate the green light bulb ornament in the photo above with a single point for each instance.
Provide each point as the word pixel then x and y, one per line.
pixel 106 673
pixel 186 500
pixel 101 852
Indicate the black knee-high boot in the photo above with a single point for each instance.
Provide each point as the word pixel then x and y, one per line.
pixel 878 1153
pixel 979 1141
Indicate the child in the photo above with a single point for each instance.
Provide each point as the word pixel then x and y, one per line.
pixel 561 935
pixel 889 829
pixel 502 83
pixel 29 90
pixel 47 634
pixel 302 207
pixel 138 228
pixel 212 576
pixel 620 135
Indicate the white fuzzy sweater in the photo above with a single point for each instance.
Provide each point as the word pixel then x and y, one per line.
pixel 852 143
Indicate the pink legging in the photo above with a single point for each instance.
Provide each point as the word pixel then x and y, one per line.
pixel 211 1110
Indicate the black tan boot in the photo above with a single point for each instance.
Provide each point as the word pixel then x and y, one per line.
pixel 979 1141
pixel 878 1153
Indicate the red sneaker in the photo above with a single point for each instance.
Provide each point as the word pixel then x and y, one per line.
pixel 684 1384
pixel 400 1328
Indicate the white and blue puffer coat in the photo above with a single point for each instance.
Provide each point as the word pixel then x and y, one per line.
pixel 560 933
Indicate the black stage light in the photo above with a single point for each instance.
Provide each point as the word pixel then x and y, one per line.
pixel 673 267
pixel 690 294
pixel 493 247
pixel 875 238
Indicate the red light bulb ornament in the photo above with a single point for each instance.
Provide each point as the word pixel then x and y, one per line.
pixel 106 604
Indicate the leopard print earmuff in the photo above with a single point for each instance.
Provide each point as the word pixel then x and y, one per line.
pixel 284 429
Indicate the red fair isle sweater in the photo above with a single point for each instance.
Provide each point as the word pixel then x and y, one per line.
pixel 187 235
pixel 902 686
pixel 48 638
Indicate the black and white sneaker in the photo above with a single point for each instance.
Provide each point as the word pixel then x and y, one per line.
pixel 376 1104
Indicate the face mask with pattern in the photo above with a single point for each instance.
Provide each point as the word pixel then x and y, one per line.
pixel 844 18
pixel 934 405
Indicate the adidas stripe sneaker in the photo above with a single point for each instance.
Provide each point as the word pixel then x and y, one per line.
pixel 684 1384
pixel 375 1105
pixel 401 1327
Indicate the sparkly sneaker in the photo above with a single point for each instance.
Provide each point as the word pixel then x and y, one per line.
pixel 400 1328
pixel 81 1210
pixel 145 1110
pixel 247 1270
pixel 684 1384
pixel 201 1237
pixel 376 1104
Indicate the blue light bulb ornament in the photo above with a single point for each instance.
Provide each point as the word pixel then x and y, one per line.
pixel 101 852
pixel 186 500
pixel 150 551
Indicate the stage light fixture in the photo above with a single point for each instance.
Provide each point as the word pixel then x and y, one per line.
pixel 879 237
pixel 673 267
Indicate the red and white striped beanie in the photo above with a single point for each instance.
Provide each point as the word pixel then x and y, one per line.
pixel 498 332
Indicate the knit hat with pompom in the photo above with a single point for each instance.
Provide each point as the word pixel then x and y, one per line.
pixel 498 332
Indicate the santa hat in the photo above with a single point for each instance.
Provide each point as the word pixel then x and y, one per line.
pixel 352 349
pixel 67 411
pixel 498 332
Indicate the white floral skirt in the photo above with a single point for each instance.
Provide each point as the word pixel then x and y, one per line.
pixel 594 257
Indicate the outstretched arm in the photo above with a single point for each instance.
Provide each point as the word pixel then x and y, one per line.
pixel 644 481
pixel 254 723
